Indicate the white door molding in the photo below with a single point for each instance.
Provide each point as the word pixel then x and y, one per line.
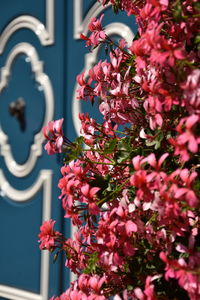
pixel 21 170
pixel 45 33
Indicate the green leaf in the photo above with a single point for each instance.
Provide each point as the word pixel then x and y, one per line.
pixel 130 287
pixel 137 36
pixel 110 187
pixel 150 143
pixel 110 146
pixel 157 141
pixel 197 41
pixel 79 140
pixel 197 5
pixel 92 263
pixel 122 156
pixel 126 268
pixel 125 144
pixel 124 148
pixel 75 150
pixel 177 13
pixel 100 181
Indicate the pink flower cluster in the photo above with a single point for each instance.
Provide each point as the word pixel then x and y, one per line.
pixel 48 236
pixel 86 287
pixel 75 188
pixel 183 271
pixel 133 192
pixel 97 33
pixel 113 85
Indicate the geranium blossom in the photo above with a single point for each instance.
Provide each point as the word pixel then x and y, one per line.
pixel 54 134
pixel 97 34
pixel 47 235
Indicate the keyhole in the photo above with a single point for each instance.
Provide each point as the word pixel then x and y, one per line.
pixel 17 110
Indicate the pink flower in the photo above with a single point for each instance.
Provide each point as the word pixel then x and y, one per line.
pixel 95 24
pixel 188 135
pixel 148 293
pixel 130 227
pixel 151 159
pixel 98 35
pixel 187 138
pixel 54 134
pixel 191 91
pixel 90 197
pixel 186 275
pixel 47 236
pixel 96 283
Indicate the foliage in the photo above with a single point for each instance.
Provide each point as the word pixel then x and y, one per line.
pixel 131 184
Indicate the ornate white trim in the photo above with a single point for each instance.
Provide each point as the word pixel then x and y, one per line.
pixel 80 25
pixel 21 170
pixel 44 33
pixel 6 190
pixel 16 294
pixel 91 58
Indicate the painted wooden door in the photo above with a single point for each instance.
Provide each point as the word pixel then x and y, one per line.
pixel 40 55
pixel 31 94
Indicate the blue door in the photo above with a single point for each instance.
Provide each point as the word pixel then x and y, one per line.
pixel 40 55
pixel 31 94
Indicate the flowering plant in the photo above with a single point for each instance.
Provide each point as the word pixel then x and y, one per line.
pixel 133 191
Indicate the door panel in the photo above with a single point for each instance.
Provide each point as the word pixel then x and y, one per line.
pixel 32 49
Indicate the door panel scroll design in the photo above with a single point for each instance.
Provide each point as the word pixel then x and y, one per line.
pixel 6 190
pixel 44 33
pixel 21 170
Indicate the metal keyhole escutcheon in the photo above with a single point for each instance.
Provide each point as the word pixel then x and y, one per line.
pixel 17 110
